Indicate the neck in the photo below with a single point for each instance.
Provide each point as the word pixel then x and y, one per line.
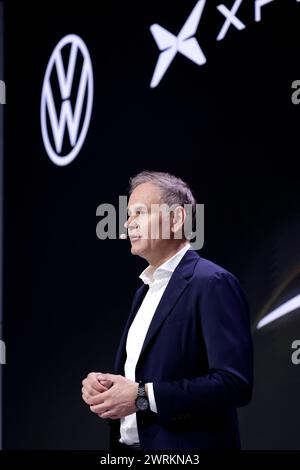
pixel 173 249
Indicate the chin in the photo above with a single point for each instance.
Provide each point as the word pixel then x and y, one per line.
pixel 137 250
pixel 134 250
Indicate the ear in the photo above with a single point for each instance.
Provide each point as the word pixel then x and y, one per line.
pixel 179 216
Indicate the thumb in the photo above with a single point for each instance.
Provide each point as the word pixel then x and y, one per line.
pixel 107 377
pixel 105 383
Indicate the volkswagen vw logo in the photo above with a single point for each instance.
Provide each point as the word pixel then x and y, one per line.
pixel 67 100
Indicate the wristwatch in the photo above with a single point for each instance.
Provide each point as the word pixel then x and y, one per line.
pixel 141 401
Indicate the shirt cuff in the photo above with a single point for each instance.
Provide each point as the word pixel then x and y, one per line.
pixel 151 398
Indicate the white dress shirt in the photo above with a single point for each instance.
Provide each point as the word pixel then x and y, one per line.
pixel 157 279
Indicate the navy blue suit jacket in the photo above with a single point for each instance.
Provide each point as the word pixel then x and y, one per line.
pixel 198 354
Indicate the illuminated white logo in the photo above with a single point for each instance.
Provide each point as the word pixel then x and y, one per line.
pixel 62 86
pixel 184 43
pixel 288 307
pixel 231 18
pixel 187 44
pixel 258 5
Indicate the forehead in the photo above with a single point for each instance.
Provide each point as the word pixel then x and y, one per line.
pixel 145 193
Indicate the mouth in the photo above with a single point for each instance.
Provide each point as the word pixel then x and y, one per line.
pixel 134 238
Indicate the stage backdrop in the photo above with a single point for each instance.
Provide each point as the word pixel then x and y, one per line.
pixel 96 94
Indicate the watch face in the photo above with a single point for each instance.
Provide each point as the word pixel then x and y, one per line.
pixel 142 403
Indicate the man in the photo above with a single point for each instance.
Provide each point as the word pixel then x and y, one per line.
pixel 184 362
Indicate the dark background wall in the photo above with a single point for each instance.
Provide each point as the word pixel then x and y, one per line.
pixel 228 127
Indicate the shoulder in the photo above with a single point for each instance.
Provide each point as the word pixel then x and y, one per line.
pixel 216 286
pixel 207 270
pixel 213 279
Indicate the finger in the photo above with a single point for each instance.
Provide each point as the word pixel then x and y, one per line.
pixel 96 399
pixel 84 392
pixel 91 381
pixel 98 409
pixel 93 391
pixel 85 399
pixel 90 392
pixel 111 377
pixel 106 395
pixel 106 383
pixel 96 385
pixel 106 414
pixel 86 384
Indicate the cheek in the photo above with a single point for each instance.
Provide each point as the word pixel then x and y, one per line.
pixel 144 225
pixel 154 227
pixel 166 227
pixel 161 228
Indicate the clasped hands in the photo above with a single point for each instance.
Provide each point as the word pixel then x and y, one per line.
pixel 109 395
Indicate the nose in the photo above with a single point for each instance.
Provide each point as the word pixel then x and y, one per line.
pixel 130 222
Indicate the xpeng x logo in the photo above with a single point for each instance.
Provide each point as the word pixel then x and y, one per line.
pixel 67 100
pixel 187 44
pixel 184 43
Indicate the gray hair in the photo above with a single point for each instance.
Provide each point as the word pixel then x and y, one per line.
pixel 173 190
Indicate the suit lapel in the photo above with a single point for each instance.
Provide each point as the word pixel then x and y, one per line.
pixel 176 286
pixel 173 291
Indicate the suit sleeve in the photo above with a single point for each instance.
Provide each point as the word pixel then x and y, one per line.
pixel 225 322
